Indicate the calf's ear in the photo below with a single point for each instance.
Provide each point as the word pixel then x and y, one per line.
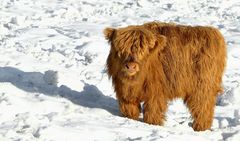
pixel 109 32
pixel 160 43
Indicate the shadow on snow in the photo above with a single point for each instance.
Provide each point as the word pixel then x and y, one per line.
pixel 90 97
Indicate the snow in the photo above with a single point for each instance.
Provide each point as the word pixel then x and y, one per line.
pixel 53 81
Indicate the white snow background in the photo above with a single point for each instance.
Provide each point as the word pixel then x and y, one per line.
pixel 53 82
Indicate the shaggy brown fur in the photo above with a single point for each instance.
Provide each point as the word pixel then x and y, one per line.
pixel 157 62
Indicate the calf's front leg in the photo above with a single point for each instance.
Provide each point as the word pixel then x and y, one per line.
pixel 130 109
pixel 154 110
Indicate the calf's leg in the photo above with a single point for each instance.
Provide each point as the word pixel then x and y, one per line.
pixel 130 109
pixel 201 106
pixel 154 110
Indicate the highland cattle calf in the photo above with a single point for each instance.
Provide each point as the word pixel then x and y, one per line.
pixel 158 62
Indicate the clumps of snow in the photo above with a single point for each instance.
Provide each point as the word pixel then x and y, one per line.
pixel 87 58
pixel 224 123
pixel 236 116
pixel 230 96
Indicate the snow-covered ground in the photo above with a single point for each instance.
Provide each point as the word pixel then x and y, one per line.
pixel 53 83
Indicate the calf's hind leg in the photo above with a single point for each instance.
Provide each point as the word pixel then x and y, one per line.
pixel 201 106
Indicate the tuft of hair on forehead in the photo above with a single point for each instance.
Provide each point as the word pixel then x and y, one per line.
pixel 132 40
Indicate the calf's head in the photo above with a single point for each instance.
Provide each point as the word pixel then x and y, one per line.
pixel 131 48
